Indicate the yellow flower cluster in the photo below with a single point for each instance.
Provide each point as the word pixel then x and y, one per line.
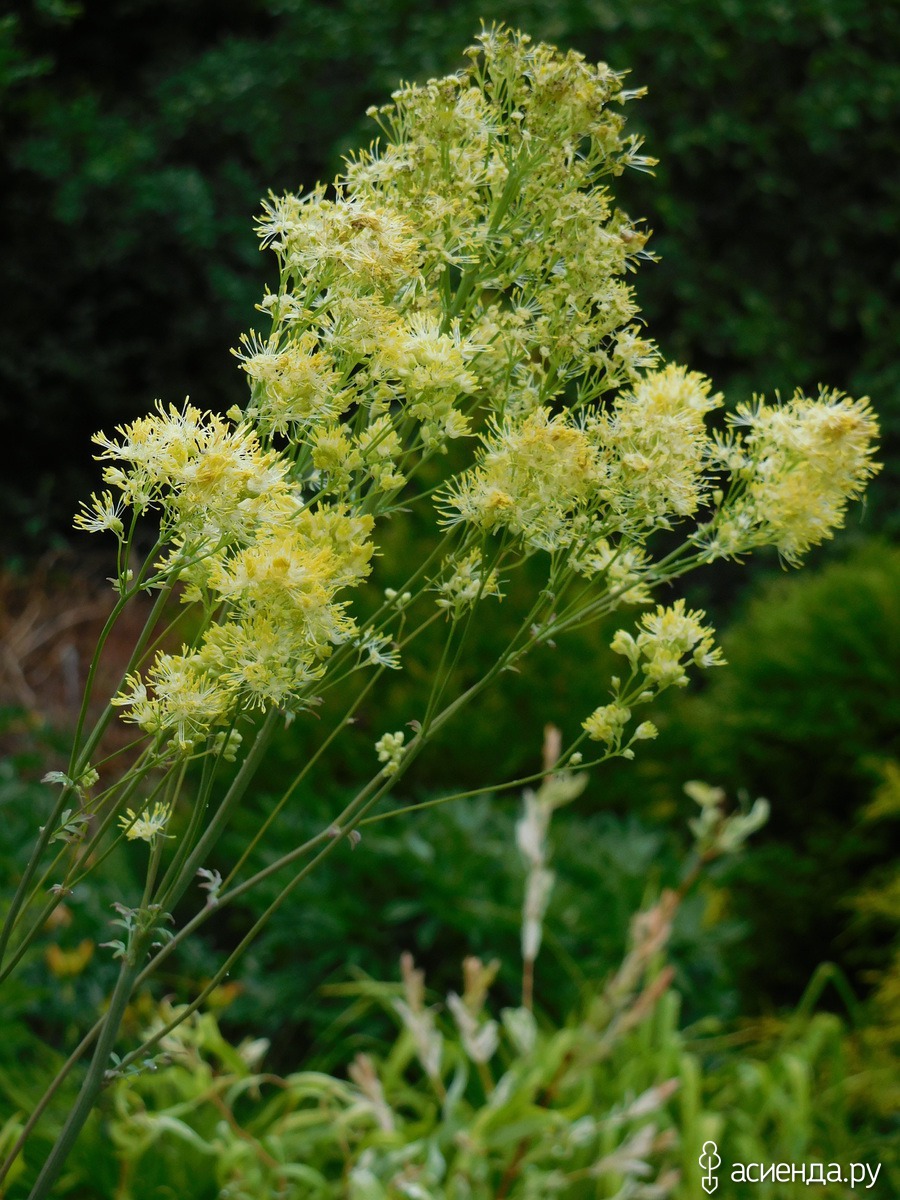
pixel 560 481
pixel 659 447
pixel 498 167
pixel 535 474
pixel 212 482
pixel 341 240
pixel 626 568
pixel 799 465
pixel 359 348
pixel 606 723
pixel 297 385
pixel 242 541
pixel 669 639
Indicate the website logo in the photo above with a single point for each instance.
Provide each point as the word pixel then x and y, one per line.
pixel 709 1160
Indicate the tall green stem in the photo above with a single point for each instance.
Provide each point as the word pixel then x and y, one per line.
pixel 174 884
pixel 93 1080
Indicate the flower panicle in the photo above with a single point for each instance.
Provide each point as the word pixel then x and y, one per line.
pixel 453 323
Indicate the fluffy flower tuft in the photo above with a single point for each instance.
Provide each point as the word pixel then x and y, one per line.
pixel 797 466
pixel 669 640
pixel 533 476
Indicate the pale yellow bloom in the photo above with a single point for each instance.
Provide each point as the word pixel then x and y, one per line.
pixel 184 701
pixel 799 465
pixel 149 825
pixel 211 481
pixel 102 513
pixel 261 662
pixel 659 446
pixel 605 724
pixel 371 243
pixel 670 638
pixel 297 384
pixel 532 478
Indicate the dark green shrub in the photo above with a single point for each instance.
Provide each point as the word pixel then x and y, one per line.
pixel 807 708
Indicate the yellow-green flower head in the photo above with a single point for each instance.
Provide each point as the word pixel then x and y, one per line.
pixel 502 163
pixel 335 457
pixel 102 513
pixel 428 360
pixel 369 244
pixel 147 826
pixel 440 162
pixel 346 534
pixel 280 572
pixel 428 367
pixel 282 622
pixel 560 97
pixel 605 724
pixel 210 480
pixel 293 385
pixel 532 477
pixel 659 444
pixel 627 568
pixel 186 700
pixel 358 326
pixel 803 462
pixel 261 662
pixel 669 640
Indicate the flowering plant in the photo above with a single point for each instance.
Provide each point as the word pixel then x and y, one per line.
pixel 452 332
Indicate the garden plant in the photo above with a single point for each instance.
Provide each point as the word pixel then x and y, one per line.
pixel 452 344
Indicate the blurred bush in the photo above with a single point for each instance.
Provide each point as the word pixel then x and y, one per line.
pixel 877 909
pixel 138 139
pixel 805 714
